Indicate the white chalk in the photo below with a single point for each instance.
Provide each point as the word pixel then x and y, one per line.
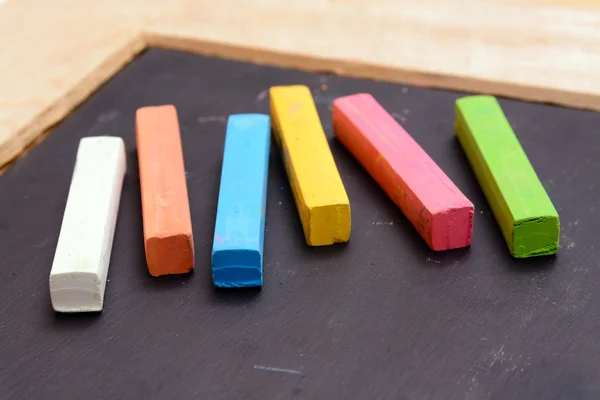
pixel 80 266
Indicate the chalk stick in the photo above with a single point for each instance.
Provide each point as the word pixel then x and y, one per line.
pixel 168 237
pixel 237 255
pixel 439 211
pixel 318 190
pixel 80 266
pixel 527 217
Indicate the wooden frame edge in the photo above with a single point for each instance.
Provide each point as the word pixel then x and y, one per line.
pixel 31 134
pixel 41 125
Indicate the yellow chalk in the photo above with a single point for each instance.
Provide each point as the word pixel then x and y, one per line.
pixel 318 190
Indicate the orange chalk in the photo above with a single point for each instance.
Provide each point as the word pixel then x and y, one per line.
pixel 168 237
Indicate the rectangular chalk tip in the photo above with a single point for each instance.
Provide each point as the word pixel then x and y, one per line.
pixel 340 101
pixel 251 123
pixel 150 111
pixel 536 237
pixel 329 224
pixel 237 268
pixel 247 121
pixel 76 292
pixel 98 140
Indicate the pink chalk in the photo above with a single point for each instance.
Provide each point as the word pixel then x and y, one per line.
pixel 442 215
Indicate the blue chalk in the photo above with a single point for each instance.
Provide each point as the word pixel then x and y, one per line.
pixel 237 254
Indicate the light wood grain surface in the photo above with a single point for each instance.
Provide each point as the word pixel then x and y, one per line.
pixel 55 54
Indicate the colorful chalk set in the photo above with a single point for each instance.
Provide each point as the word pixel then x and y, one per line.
pixel 434 205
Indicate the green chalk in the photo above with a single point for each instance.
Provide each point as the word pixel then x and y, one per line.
pixel 527 218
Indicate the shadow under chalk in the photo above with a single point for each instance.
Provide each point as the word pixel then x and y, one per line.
pixel 531 265
pixel 234 296
pixel 70 321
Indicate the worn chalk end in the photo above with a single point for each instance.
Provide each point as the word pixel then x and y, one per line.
pixel 248 121
pixel 152 111
pixel 328 224
pixel 452 228
pixel 237 268
pixel 478 100
pixel 76 292
pixel 536 237
pixel 170 255
pixel 290 89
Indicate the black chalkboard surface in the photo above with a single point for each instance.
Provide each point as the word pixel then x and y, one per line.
pixel 381 317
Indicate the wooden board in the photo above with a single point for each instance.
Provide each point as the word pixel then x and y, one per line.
pixel 381 317
pixel 55 54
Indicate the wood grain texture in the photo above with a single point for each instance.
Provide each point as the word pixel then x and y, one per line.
pixel 538 50
pixel 382 317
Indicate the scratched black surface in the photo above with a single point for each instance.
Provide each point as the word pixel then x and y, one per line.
pixel 379 318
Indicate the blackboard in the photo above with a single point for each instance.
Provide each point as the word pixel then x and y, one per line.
pixel 381 317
